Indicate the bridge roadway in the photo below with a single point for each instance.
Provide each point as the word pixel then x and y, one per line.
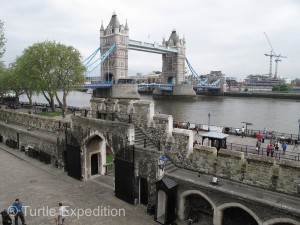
pixel 168 87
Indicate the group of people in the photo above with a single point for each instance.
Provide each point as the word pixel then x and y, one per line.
pixel 274 145
pixel 16 211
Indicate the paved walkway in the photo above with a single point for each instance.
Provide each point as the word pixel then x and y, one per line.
pixel 239 144
pixel 40 186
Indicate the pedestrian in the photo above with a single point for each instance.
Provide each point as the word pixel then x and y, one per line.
pixel 62 214
pixel 284 145
pixel 6 220
pixel 268 150
pixel 263 137
pixel 243 131
pixel 197 130
pixel 272 150
pixel 258 145
pixel 17 205
pixel 296 145
pixel 259 136
pixel 276 149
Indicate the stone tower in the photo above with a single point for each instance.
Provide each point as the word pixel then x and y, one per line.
pixel 174 63
pixel 115 66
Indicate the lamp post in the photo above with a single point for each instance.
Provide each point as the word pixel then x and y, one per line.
pixel 208 122
pixel 247 123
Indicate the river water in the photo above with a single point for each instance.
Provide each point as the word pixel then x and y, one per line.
pixel 272 114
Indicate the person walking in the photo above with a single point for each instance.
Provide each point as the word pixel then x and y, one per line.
pixel 268 150
pixel 283 145
pixel 197 131
pixel 272 150
pixel 296 145
pixel 62 213
pixel 18 206
pixel 243 132
pixel 258 145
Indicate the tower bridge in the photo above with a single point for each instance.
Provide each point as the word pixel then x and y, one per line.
pixel 114 47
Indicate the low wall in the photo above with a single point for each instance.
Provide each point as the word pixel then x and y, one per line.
pixel 30 120
pixel 251 169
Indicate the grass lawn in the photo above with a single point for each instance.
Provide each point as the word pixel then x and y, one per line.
pixel 109 158
pixel 50 114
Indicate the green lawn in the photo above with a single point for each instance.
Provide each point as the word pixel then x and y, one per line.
pixel 50 114
pixel 109 158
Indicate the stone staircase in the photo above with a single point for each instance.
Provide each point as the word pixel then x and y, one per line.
pixel 139 141
pixel 140 138
pixel 170 167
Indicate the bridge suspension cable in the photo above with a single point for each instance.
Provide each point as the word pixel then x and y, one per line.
pixel 91 56
pixel 101 59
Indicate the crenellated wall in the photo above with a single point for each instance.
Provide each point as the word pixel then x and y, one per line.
pixel 252 169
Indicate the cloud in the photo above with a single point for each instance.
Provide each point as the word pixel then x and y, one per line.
pixel 220 35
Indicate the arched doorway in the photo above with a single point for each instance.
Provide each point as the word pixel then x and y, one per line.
pixel 95 164
pixel 281 221
pixel 237 216
pixel 108 78
pixel 94 151
pixel 198 209
pixel 170 80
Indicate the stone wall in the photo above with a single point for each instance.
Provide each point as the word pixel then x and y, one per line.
pixel 220 200
pixel 117 134
pixel 45 142
pixel 146 167
pixel 31 120
pixel 252 169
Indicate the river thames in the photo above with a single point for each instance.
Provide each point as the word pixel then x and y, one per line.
pixel 273 114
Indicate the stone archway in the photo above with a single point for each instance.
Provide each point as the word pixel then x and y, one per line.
pixel 281 221
pixel 93 155
pixel 109 78
pixel 237 214
pixel 195 200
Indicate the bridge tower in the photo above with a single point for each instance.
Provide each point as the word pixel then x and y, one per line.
pixel 115 66
pixel 174 63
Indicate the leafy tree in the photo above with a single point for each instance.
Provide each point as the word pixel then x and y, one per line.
pixel 52 67
pixel 296 82
pixel 68 72
pixel 281 87
pixel 2 45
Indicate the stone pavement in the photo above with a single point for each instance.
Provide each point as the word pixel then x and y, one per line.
pixel 41 187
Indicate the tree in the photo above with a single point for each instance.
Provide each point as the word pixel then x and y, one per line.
pixel 2 45
pixel 68 72
pixel 296 82
pixel 281 87
pixel 52 67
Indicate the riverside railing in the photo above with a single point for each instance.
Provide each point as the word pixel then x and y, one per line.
pixel 288 155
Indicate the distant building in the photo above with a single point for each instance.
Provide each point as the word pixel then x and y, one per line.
pixel 263 80
pixel 152 77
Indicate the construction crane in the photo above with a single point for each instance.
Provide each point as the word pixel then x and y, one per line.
pixel 271 55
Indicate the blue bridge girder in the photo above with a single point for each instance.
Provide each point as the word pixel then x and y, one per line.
pixel 141 87
pixel 150 47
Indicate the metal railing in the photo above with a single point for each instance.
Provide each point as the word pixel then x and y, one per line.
pixel 109 168
pixel 295 156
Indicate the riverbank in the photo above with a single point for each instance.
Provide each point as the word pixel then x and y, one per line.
pixel 291 96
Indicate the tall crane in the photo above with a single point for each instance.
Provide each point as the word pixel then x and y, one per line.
pixel 271 55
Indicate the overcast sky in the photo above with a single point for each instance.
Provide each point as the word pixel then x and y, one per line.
pixel 220 35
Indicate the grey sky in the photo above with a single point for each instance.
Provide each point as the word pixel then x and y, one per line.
pixel 220 35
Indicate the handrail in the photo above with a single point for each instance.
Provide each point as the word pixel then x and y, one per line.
pixel 135 125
